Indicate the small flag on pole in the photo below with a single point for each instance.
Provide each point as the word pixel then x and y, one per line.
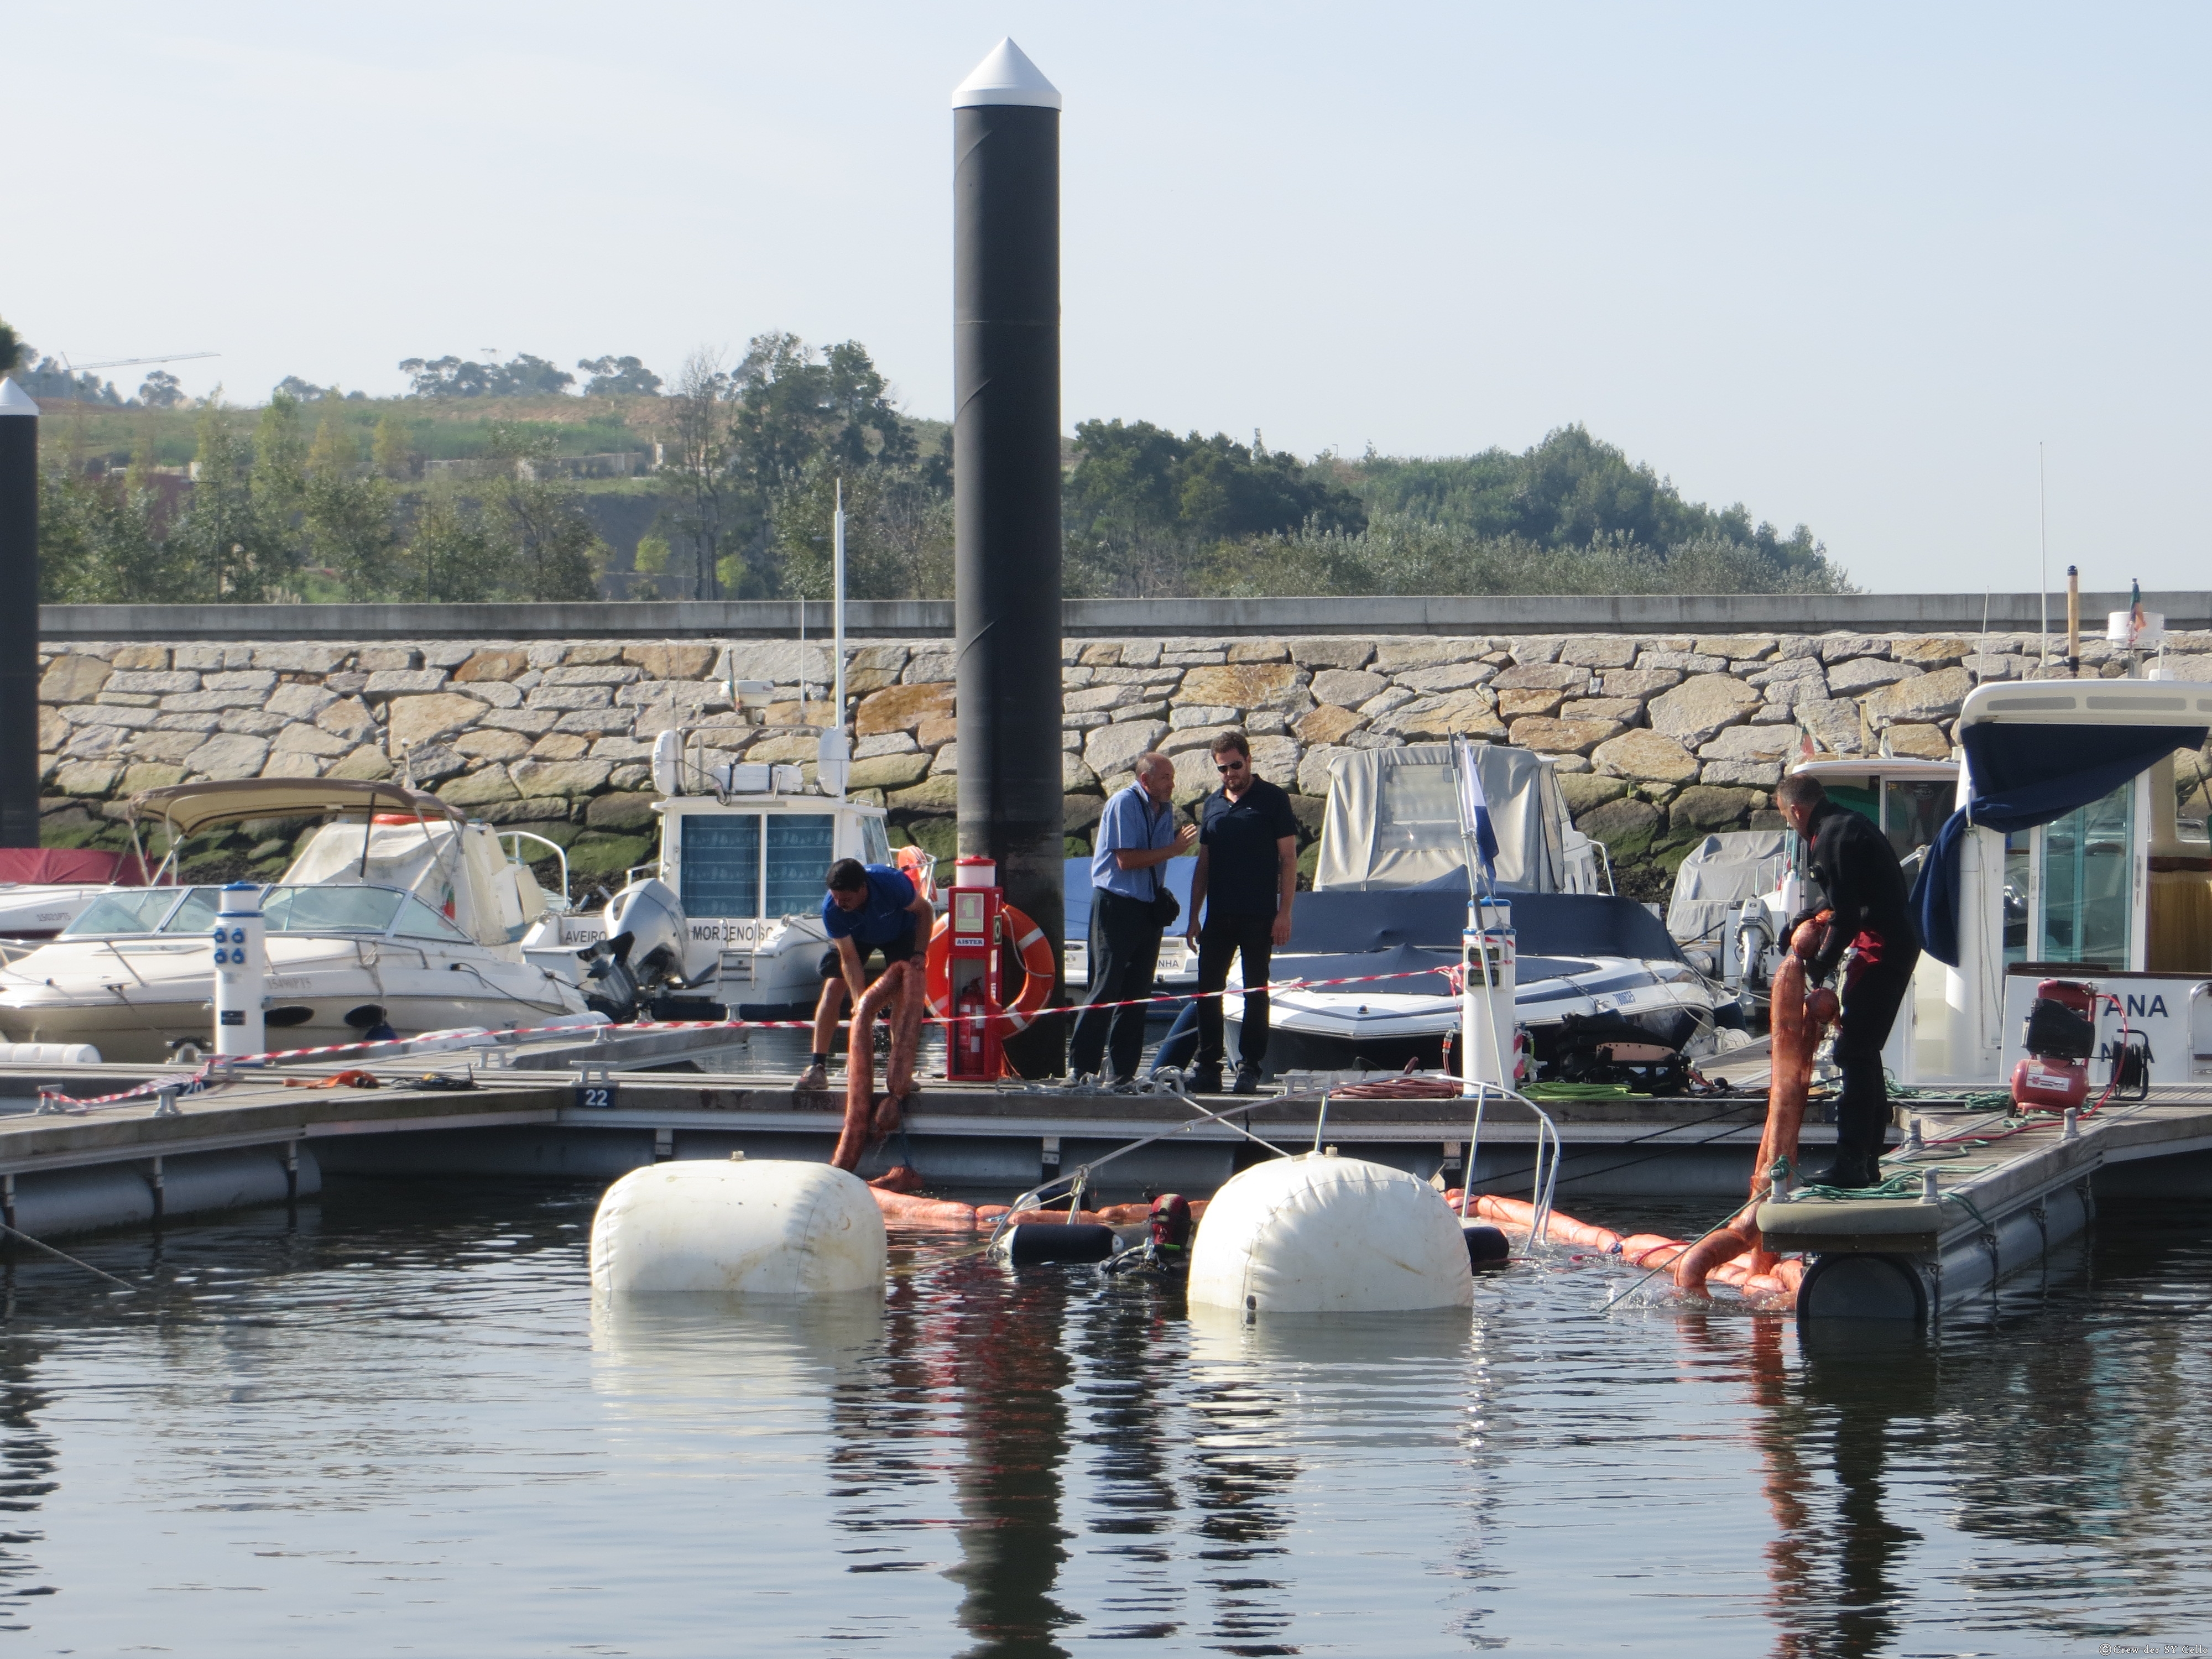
pixel 1474 807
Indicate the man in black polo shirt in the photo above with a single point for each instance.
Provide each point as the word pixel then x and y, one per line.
pixel 1248 874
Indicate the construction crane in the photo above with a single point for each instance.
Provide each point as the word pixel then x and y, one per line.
pixel 130 362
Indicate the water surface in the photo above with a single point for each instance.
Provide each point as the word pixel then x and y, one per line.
pixel 400 1428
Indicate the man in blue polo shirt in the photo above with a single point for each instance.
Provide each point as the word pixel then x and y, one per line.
pixel 1137 835
pixel 868 907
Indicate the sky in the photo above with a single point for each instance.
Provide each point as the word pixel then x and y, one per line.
pixel 1852 267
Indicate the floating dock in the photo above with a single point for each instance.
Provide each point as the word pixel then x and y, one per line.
pixel 2005 1195
pixel 1998 1195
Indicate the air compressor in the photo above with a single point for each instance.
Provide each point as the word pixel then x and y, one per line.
pixel 2061 1036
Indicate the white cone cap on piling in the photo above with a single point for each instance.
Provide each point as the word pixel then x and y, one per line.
pixel 1006 76
pixel 14 400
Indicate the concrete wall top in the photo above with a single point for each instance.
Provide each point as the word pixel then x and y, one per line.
pixel 1209 618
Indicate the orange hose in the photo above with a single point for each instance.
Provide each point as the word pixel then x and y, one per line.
pixel 861 1113
pixel 1797 1012
pixel 907 1210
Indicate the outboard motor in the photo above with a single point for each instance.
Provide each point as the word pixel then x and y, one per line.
pixel 609 987
pixel 2061 1035
pixel 650 912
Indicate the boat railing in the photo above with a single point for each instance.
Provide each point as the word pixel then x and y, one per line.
pixel 510 841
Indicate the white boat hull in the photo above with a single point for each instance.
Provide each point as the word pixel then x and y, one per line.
pixel 1351 1026
pixel 136 1002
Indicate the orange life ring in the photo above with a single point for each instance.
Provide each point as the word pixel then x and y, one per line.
pixel 1029 943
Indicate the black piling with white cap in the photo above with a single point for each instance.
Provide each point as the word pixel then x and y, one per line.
pixel 19 616
pixel 1006 546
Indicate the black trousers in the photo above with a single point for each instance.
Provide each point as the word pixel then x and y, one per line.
pixel 1125 952
pixel 1220 940
pixel 1873 992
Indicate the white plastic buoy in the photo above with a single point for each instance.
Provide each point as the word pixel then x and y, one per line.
pixel 747 1227
pixel 1322 1234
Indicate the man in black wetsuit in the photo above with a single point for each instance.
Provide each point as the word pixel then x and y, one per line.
pixel 1868 909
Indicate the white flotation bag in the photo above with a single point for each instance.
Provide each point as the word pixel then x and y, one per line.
pixel 747 1227
pixel 1322 1234
pixel 48 1053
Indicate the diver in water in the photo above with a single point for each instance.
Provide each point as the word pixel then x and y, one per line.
pixel 1166 1255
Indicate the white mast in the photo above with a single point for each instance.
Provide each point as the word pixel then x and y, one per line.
pixel 834 767
pixel 837 550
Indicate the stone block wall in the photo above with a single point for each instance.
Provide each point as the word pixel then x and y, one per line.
pixel 1660 739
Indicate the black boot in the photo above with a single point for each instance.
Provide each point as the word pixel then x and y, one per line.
pixel 1851 1168
pixel 1862 1116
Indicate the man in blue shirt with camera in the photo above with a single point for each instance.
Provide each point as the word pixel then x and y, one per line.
pixel 1137 835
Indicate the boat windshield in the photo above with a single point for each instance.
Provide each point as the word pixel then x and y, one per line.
pixel 331 909
pixel 139 912
pixel 311 910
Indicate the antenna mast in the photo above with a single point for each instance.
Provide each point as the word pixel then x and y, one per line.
pixel 2043 569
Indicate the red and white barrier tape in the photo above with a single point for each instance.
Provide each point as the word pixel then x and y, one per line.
pixel 197 1082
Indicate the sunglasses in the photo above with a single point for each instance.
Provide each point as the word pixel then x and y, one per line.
pixel 1231 766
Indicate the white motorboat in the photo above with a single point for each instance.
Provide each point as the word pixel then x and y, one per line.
pixel 729 916
pixel 2069 856
pixel 1389 902
pixel 400 916
pixel 42 889
pixel 1178 962
pixel 1725 871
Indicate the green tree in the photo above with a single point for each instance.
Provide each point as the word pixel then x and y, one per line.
pixel 103 540
pixel 453 557
pixel 234 552
pixel 1573 490
pixel 709 508
pixel 551 551
pixel 347 516
pixel 1141 506
pixel 280 470
pixel 16 351
pixel 390 449
pixel 615 377
pixel 651 563
pixel 161 390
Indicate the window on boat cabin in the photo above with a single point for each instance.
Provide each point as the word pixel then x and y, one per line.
pixel 800 851
pixel 2069 888
pixel 1420 808
pixel 729 866
pixel 875 842
pixel 1913 810
pixel 346 909
pixel 418 920
pixel 720 872
pixel 123 913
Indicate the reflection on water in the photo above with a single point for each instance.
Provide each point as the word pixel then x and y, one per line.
pixel 402 1427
